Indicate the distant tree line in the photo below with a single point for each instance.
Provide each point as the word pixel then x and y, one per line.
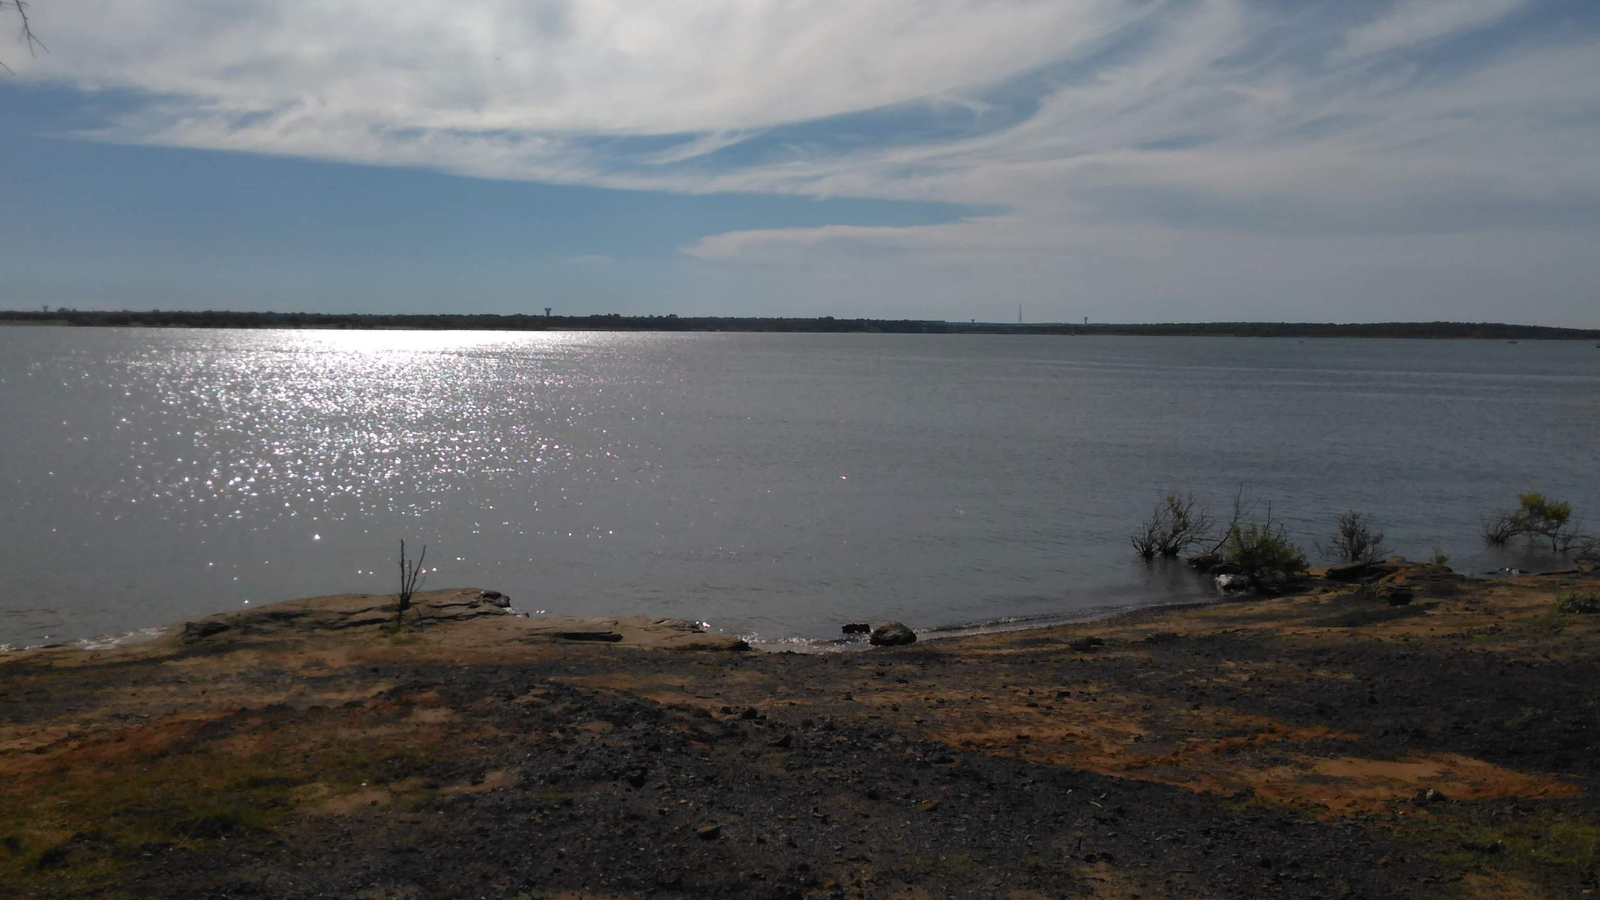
pixel 824 324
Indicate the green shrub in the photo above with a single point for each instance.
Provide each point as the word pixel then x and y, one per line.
pixel 1543 516
pixel 1263 553
pixel 1578 602
pixel 1537 518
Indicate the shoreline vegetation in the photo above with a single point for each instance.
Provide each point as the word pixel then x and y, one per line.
pixel 825 324
pixel 1401 730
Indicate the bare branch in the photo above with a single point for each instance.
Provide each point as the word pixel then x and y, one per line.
pixel 1356 540
pixel 28 38
pixel 1175 525
pixel 412 574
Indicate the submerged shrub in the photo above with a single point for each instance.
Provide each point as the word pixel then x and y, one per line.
pixel 1538 518
pixel 1544 517
pixel 1499 527
pixel 1174 526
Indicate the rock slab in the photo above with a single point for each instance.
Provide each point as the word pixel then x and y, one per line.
pixel 892 634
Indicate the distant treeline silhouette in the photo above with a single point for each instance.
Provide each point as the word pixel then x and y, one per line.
pixel 615 322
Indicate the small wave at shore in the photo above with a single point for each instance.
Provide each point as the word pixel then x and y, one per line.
pixel 99 642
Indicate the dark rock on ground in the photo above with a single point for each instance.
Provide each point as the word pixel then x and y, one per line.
pixel 1360 571
pixel 893 634
pixel 194 631
pixel 1398 596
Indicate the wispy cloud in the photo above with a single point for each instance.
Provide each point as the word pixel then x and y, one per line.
pixel 1411 23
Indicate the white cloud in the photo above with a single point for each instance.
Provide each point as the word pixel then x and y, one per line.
pixel 599 66
pixel 1258 150
pixel 1413 22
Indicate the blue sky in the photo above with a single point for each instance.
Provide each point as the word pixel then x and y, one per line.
pixel 1126 160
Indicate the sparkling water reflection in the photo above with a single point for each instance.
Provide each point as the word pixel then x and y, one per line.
pixel 776 484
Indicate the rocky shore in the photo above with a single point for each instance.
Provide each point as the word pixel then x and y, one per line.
pixel 1398 732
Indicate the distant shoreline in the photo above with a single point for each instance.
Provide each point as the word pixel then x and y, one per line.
pixel 822 325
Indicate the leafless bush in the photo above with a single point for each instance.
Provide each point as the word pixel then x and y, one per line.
pixel 1147 541
pixel 1356 541
pixel 411 576
pixel 1590 549
pixel 1174 526
pixel 1574 541
pixel 1499 527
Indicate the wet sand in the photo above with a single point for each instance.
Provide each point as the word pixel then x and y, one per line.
pixel 1326 744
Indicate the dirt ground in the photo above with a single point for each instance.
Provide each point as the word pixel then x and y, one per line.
pixel 1322 745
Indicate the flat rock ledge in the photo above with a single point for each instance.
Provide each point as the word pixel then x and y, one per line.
pixel 487 614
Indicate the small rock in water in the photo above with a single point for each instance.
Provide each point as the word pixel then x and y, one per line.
pixel 857 628
pixel 893 634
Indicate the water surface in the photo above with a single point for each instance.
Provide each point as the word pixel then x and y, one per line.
pixel 770 484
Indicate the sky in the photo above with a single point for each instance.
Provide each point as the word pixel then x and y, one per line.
pixel 1120 160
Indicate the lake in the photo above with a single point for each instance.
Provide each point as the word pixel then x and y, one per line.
pixel 769 484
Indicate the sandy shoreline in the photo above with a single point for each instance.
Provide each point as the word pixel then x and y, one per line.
pixel 1281 747
pixel 560 621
